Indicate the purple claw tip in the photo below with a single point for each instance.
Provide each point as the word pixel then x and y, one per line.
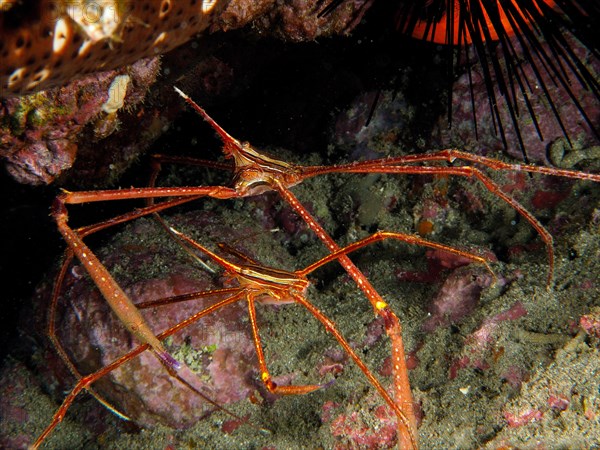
pixel 170 361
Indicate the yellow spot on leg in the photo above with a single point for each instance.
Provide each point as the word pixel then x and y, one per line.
pixel 380 305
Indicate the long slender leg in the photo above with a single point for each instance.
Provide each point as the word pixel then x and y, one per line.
pixel 403 402
pixel 448 155
pixel 88 380
pixel 489 184
pixel 131 215
pixel 68 258
pixel 149 304
pixel 384 235
pixel 158 160
pixel 54 338
pixel 401 396
pixel 221 192
pixel 120 303
pixel 265 376
pixel 186 297
pixel 398 165
pixel 393 329
pixel 112 292
pixel 402 393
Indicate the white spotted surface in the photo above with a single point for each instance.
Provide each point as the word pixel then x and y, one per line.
pixel 55 41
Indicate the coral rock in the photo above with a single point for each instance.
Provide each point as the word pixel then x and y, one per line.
pixel 52 42
pixel 48 43
pixel 42 134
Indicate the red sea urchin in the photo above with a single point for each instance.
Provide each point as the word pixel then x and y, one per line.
pixel 530 53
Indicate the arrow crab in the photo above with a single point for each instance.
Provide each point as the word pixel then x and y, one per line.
pixel 255 174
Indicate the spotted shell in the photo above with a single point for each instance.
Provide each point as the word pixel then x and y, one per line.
pixel 48 42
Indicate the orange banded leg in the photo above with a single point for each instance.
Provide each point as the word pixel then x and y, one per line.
pixel 407 432
pixel 122 306
pixel 120 303
pixel 86 381
pixel 403 402
pixel 404 406
pixel 265 376
pixel 54 338
pixel 68 258
pixel 58 283
pixel 449 156
pixel 398 165
pixel 402 393
pixel 403 237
